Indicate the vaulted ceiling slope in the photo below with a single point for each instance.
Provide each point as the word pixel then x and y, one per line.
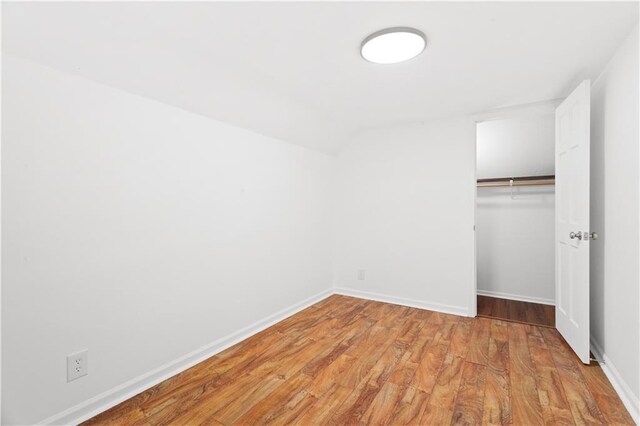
pixel 293 71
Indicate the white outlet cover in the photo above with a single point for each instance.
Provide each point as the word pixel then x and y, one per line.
pixel 361 274
pixel 77 365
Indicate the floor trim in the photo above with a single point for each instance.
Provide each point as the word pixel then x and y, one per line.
pixel 630 401
pixel 519 298
pixel 102 402
pixel 447 309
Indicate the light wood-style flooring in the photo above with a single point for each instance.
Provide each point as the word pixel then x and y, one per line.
pixel 514 310
pixel 347 360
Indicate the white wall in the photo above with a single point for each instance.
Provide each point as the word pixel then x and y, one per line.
pixel 404 214
pixel 140 232
pixel 515 229
pixel 517 146
pixel 614 215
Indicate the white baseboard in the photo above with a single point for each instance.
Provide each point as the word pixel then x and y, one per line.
pixel 439 307
pixel 630 401
pixel 510 296
pixel 93 406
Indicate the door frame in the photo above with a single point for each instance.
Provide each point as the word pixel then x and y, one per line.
pixel 545 107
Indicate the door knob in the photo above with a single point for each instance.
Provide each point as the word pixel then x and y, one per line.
pixel 577 235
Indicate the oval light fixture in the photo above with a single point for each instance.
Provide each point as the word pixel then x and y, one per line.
pixel 393 45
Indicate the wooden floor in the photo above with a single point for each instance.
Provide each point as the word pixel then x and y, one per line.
pixel 347 360
pixel 513 310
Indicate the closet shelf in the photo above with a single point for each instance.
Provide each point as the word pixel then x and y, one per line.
pixel 517 181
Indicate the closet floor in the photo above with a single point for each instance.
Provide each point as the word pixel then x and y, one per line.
pixel 513 310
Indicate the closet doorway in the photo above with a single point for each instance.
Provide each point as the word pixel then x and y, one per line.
pixel 515 218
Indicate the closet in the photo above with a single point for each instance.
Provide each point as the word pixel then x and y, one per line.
pixel 515 218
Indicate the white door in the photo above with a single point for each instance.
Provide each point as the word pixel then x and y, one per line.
pixel 572 219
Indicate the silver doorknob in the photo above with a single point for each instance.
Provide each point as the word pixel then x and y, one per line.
pixel 590 235
pixel 577 235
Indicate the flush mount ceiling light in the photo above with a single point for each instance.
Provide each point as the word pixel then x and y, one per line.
pixel 393 45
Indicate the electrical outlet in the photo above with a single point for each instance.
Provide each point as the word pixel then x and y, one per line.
pixel 77 365
pixel 361 274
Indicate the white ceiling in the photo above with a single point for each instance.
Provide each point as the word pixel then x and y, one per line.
pixel 293 70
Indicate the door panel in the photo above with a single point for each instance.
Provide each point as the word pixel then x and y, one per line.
pixel 572 219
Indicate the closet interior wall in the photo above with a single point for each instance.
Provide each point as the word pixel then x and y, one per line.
pixel 515 219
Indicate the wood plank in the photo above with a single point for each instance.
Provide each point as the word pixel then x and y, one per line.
pixel 404 373
pixel 430 365
pixel 397 318
pixel 353 331
pixel 445 390
pixel 470 398
pixel 354 406
pixel 496 408
pixel 436 415
pixel 607 399
pixel 497 390
pixel 202 408
pixel 241 402
pixel 323 360
pixel 525 403
pixel 325 379
pixel 445 331
pixel 411 407
pixel 518 311
pixel 287 361
pixel 175 402
pixel 385 365
pixel 583 405
pixel 366 354
pixel 460 338
pixel 325 407
pixel 287 401
pixel 409 332
pixel 613 410
pixel 555 408
pixel 425 336
pixel 479 342
pixel 383 406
